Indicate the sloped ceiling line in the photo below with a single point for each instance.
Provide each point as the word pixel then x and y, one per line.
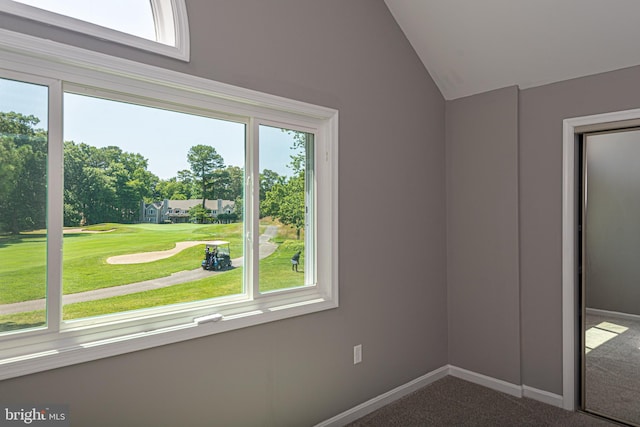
pixel 473 46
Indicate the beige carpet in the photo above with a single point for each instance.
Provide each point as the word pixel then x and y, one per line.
pixel 612 369
pixel 455 402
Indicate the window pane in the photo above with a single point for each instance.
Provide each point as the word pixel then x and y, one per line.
pixel 23 200
pixel 147 193
pixel 286 167
pixel 129 16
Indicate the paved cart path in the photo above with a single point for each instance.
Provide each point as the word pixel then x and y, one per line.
pixel 144 257
pixel 266 248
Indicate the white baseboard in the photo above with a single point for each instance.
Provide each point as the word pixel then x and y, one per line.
pixel 486 381
pixel 543 396
pixel 384 399
pixel 619 315
pixel 378 402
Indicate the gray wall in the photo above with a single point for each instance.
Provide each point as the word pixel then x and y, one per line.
pixel 351 56
pixel 476 217
pixel 482 234
pixel 613 222
pixel 542 111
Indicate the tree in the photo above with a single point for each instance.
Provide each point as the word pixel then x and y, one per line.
pixel 169 189
pixel 17 125
pixel 8 166
pixel 199 214
pixel 268 179
pixel 285 198
pixel 230 183
pixel 175 188
pixel 238 207
pixel 204 161
pixel 23 165
pixel 300 142
pixel 286 202
pixel 185 178
pixel 104 184
pixel 225 218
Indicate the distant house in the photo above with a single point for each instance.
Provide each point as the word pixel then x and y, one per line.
pixel 178 210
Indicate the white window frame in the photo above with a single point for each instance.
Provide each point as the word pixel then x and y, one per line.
pixel 170 21
pixel 60 343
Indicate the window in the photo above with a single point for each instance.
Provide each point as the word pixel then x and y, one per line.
pixel 121 153
pixel 286 193
pixel 158 26
pixel 23 200
pixel 118 155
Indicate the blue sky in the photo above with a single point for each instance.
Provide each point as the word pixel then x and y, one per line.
pixel 138 20
pixel 163 137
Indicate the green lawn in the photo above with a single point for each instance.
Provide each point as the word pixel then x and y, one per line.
pixel 275 270
pixel 22 268
pixel 85 268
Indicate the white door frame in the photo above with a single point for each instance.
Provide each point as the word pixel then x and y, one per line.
pixel 569 242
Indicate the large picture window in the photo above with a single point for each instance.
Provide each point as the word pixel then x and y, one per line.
pixel 139 211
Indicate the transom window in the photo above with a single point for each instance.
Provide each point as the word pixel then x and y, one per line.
pixel 156 25
pixel 143 210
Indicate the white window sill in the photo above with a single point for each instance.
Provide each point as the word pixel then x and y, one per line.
pixel 38 361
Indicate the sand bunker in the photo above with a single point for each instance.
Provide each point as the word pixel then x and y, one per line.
pixel 82 230
pixel 143 257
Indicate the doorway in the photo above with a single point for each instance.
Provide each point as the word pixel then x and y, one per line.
pixel 609 274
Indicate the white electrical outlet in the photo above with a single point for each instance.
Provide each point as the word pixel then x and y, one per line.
pixel 357 354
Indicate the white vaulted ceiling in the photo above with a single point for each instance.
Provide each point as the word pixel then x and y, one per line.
pixel 472 46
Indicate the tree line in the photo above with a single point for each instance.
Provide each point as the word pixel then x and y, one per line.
pixel 107 184
pixel 23 166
